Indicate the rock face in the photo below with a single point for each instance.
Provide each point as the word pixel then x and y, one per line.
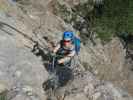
pixel 105 59
pixel 86 86
pixel 22 74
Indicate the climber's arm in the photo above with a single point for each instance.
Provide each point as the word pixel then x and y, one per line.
pixel 66 58
pixel 56 48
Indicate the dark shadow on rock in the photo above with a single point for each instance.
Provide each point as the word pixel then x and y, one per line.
pixel 38 51
pixel 127 41
pixel 44 56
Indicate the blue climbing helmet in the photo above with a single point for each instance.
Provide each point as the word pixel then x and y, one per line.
pixel 68 35
pixel 74 38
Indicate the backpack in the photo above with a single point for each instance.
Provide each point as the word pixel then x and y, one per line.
pixel 76 41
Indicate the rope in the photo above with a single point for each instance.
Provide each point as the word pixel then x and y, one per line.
pixel 23 34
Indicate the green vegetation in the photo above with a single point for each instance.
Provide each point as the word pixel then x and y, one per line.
pixel 109 19
pixel 3 95
pixel 117 18
pixel 78 16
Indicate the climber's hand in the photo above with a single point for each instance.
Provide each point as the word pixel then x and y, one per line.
pixel 61 61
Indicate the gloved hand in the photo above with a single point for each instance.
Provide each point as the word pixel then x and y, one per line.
pixel 60 61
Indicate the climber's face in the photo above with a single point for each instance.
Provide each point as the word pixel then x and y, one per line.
pixel 67 43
